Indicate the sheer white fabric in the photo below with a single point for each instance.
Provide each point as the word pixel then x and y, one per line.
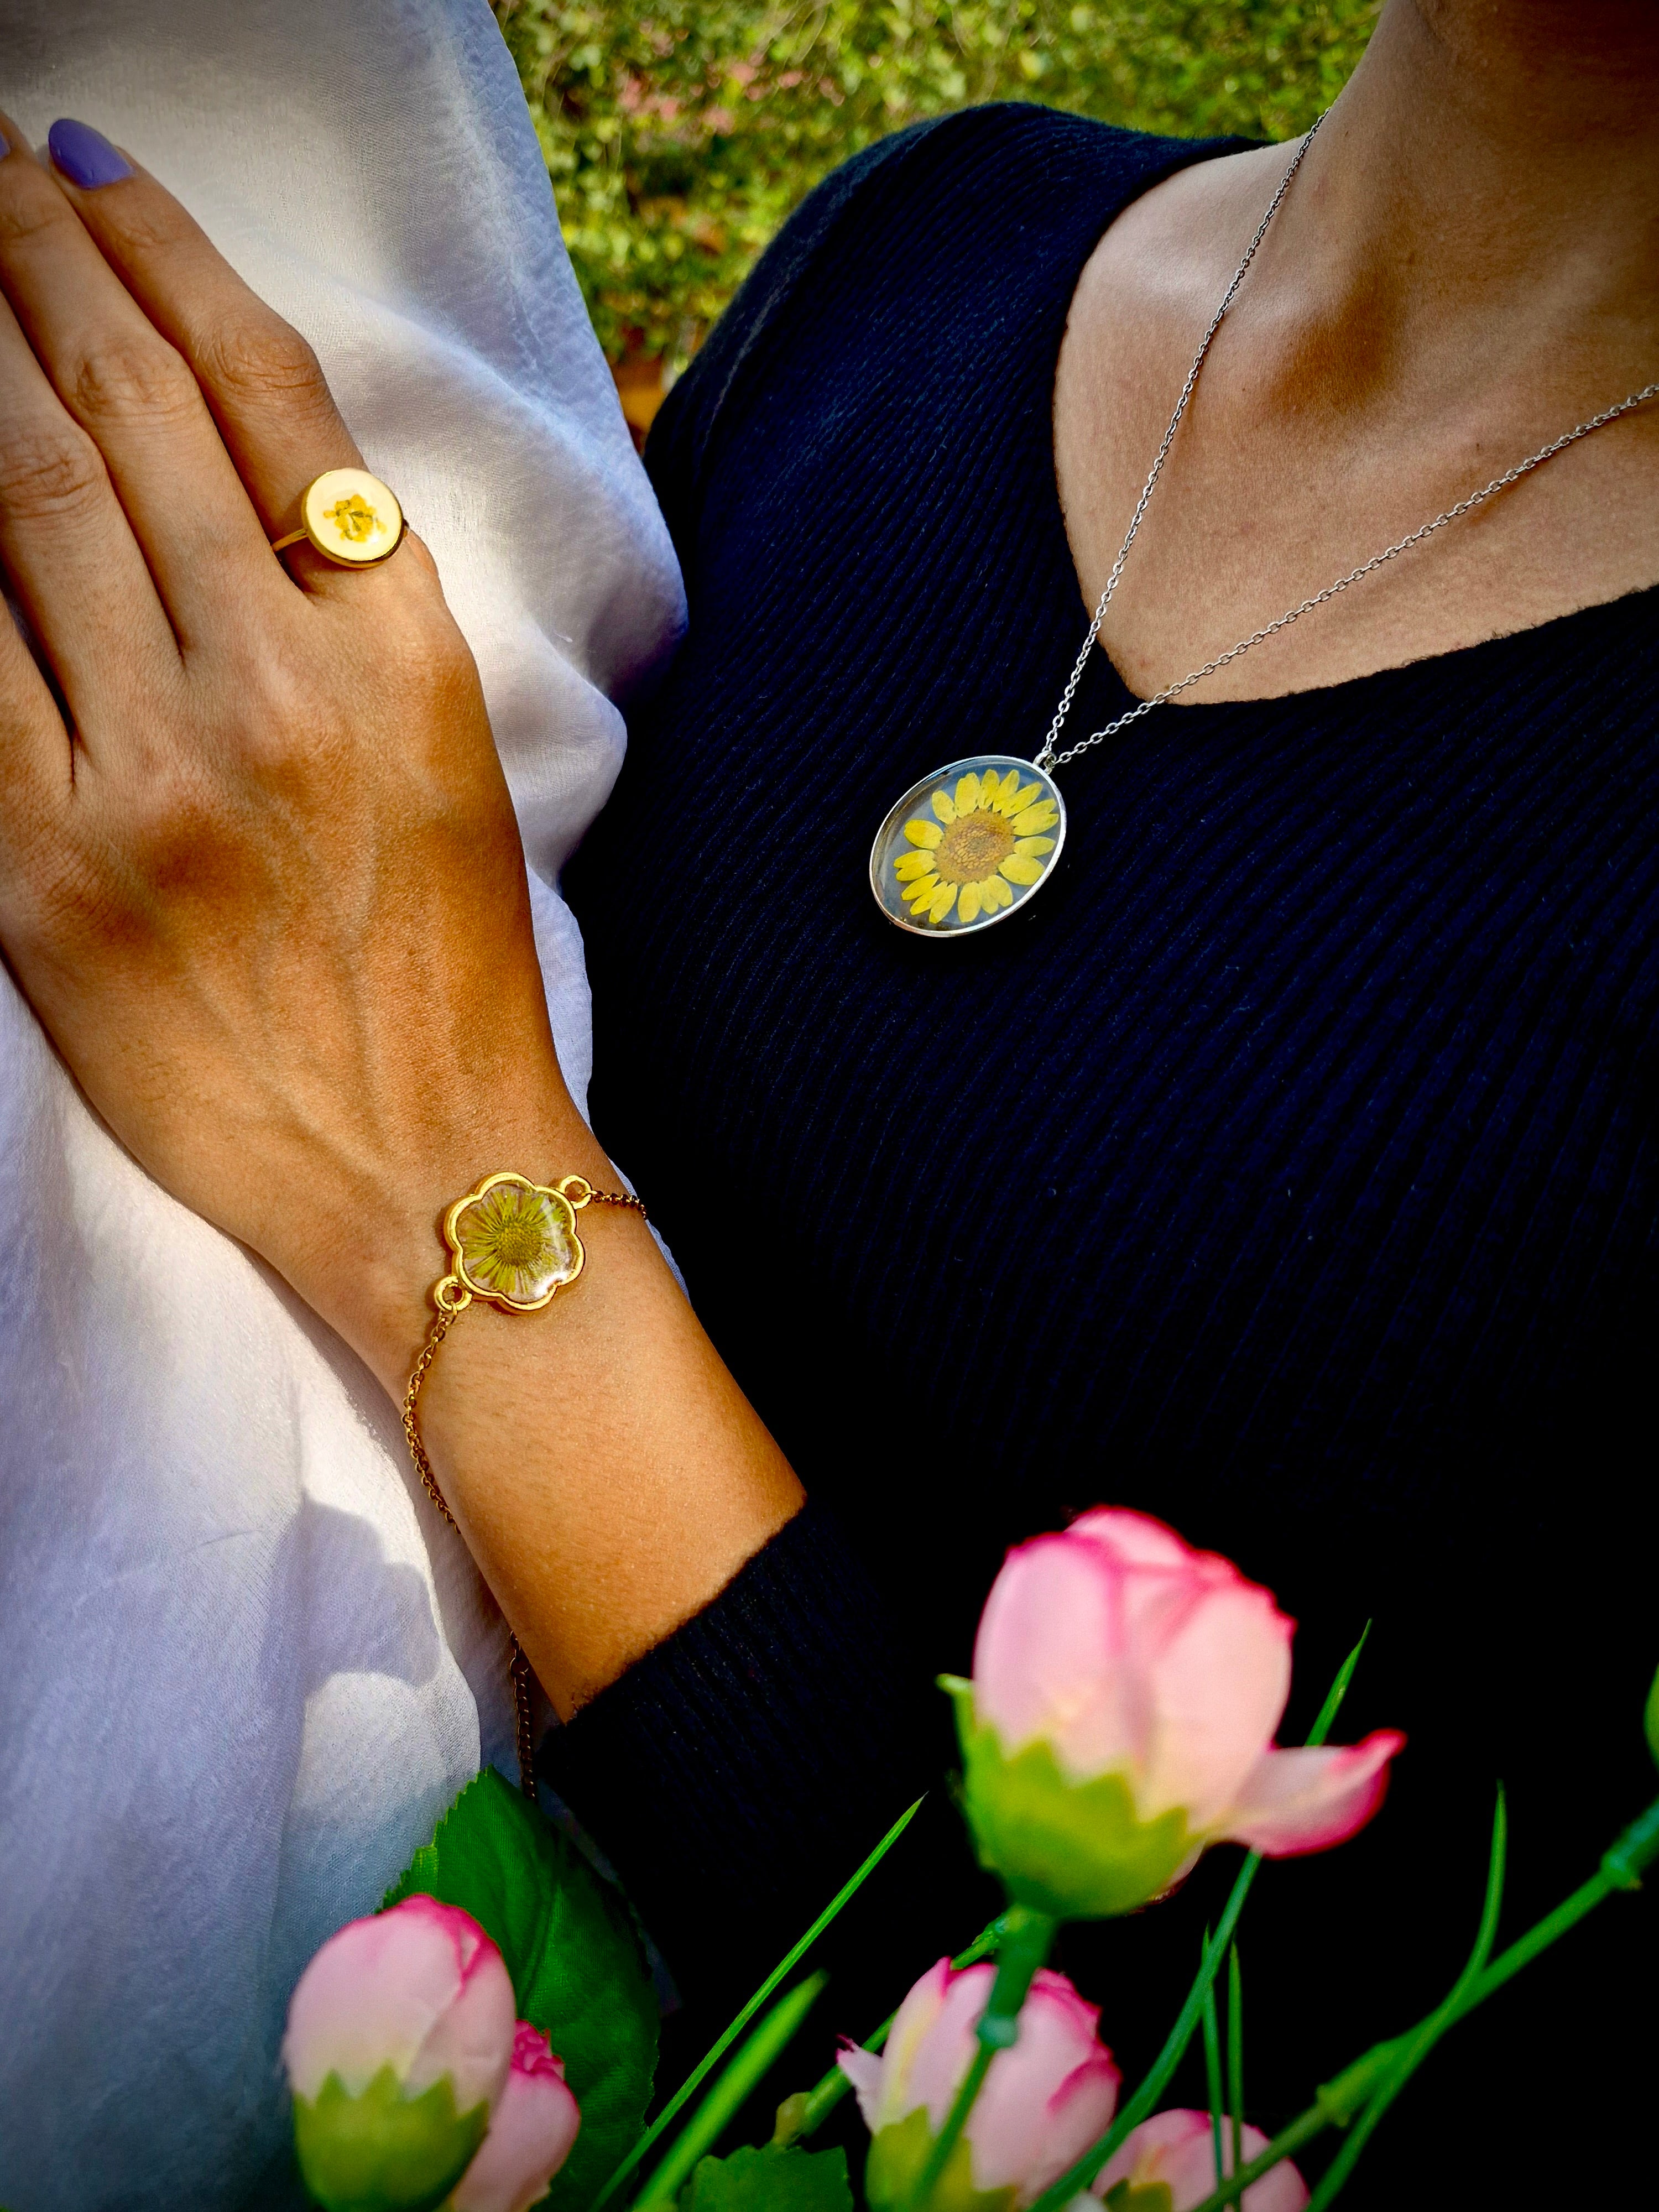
pixel 242 1664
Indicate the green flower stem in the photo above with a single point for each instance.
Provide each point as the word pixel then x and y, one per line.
pixel 707 2124
pixel 1078 2177
pixel 1235 2057
pixel 1374 2076
pixel 1212 2067
pixel 1623 1864
pixel 1424 2038
pixel 1286 2144
pixel 712 2056
pixel 1027 1939
pixel 821 2101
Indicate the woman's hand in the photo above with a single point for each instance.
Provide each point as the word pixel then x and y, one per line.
pixel 260 877
pixel 260 874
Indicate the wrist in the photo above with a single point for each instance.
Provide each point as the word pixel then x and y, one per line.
pixel 375 1288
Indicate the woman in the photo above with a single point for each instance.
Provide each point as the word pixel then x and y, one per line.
pixel 1287 1169
pixel 1284 1171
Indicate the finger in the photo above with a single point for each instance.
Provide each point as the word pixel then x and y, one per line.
pixel 263 382
pixel 73 560
pixel 134 395
pixel 36 770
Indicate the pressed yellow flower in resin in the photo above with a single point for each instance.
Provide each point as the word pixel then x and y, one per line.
pixel 355 519
pixel 981 838
pixel 514 1240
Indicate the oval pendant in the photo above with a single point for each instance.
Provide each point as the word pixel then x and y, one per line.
pixel 967 846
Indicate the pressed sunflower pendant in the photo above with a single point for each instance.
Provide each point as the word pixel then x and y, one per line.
pixel 967 845
pixel 514 1241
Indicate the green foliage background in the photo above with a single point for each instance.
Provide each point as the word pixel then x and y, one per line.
pixel 680 133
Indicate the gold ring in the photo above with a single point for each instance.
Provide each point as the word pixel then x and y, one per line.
pixel 351 517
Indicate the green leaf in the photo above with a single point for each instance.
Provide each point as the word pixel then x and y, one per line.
pixel 578 1971
pixel 1652 1718
pixel 770 2180
pixel 381 2151
pixel 894 2167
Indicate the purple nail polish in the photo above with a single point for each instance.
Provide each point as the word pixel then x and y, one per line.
pixel 85 156
pixel 4 148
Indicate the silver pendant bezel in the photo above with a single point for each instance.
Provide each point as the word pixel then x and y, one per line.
pixel 884 848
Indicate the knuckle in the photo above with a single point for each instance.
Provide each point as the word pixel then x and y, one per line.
pixel 130 375
pixel 48 471
pixel 262 358
pixel 29 215
pixel 150 222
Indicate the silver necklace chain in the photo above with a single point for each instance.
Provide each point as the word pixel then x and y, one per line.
pixel 1047 759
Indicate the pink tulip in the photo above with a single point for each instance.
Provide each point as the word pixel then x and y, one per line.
pixel 1044 2100
pixel 1121 1718
pixel 1178 2149
pixel 420 1989
pixel 531 2132
pixel 399 2039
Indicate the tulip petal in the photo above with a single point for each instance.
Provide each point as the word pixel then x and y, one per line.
pixel 863 2068
pixel 1047 2099
pixel 1128 1650
pixel 531 2131
pixel 935 2059
pixel 1135 1538
pixel 1217 1659
pixel 421 1988
pixel 1042 1658
pixel 1177 2149
pixel 916 2066
pixel 1308 1800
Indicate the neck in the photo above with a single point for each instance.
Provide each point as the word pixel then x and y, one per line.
pixel 1486 191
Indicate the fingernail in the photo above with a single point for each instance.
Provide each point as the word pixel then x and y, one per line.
pixel 4 148
pixel 85 156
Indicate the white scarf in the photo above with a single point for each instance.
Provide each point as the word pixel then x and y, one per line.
pixel 243 1665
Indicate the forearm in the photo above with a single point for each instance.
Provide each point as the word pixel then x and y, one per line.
pixel 604 1469
pixel 270 900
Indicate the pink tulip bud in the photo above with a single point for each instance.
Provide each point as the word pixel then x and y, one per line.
pixel 531 2132
pixel 1121 1718
pixel 1044 2100
pixel 399 2039
pixel 1177 2149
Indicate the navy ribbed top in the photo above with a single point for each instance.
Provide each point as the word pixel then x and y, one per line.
pixel 1286 1169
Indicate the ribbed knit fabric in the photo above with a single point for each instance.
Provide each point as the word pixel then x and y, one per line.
pixel 1286 1170
pixel 706 1768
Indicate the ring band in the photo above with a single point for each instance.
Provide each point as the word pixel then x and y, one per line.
pixel 351 517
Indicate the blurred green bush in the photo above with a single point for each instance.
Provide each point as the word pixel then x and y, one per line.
pixel 680 133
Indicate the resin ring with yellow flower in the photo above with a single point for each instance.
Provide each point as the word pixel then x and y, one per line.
pixel 514 1241
pixel 967 846
pixel 351 517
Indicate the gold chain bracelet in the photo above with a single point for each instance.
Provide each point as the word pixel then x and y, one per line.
pixel 513 1244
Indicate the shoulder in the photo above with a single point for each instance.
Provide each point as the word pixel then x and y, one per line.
pixel 950 198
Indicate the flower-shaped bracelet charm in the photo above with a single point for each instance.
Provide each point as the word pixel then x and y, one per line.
pixel 514 1243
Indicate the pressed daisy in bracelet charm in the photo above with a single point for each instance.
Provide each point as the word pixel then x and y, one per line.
pixel 967 845
pixel 514 1241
